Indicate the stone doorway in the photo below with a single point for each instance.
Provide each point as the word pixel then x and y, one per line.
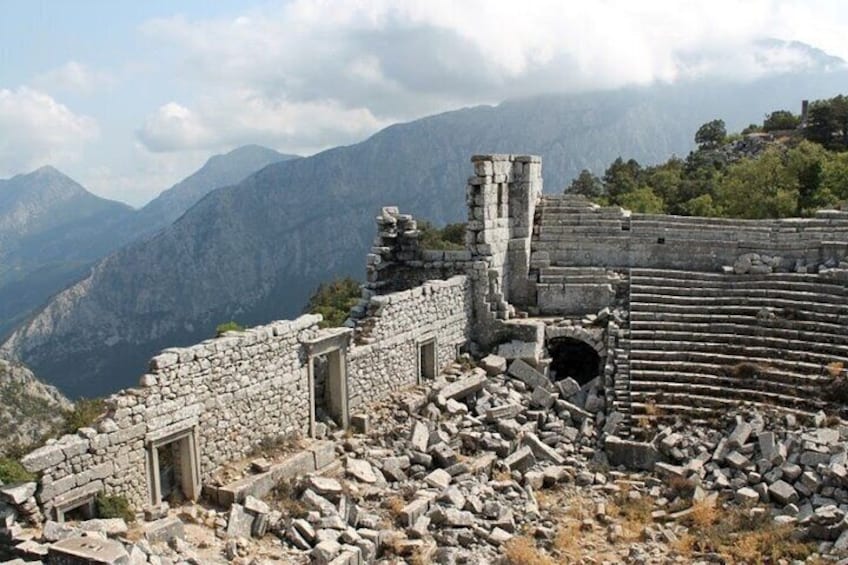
pixel 174 469
pixel 573 358
pixel 329 390
pixel 427 360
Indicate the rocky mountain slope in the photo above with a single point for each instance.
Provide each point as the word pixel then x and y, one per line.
pixel 218 171
pixel 52 230
pixel 29 409
pixel 254 251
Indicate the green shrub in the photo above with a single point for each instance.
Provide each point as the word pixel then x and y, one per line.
pixel 230 326
pixel 11 471
pixel 450 237
pixel 85 413
pixel 114 506
pixel 334 300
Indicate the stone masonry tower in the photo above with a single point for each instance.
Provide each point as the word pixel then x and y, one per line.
pixel 501 198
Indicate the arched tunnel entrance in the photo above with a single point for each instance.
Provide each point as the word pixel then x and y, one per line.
pixel 573 358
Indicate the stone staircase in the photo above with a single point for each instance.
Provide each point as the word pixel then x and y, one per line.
pixel 700 343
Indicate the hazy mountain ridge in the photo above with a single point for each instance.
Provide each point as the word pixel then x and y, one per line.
pixel 52 229
pixel 254 251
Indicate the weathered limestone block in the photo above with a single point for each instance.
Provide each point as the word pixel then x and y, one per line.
pixel 87 551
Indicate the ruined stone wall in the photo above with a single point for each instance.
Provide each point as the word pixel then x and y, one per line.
pixel 232 391
pixel 385 355
pixel 615 238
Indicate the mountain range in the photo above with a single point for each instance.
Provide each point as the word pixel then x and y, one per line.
pixel 253 252
pixel 52 229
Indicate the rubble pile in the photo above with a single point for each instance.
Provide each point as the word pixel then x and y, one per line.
pixel 484 463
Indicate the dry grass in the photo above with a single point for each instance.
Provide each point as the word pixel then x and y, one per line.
pixel 741 537
pixel 634 513
pixel 521 550
pixel 835 368
pixel 567 541
pixel 684 545
pixel 745 370
pixel 284 497
pixel 395 505
pixel 704 514
pixel 681 486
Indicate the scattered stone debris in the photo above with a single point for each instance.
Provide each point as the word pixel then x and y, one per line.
pixel 493 465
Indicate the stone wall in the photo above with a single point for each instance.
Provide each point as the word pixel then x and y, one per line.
pixel 385 355
pixel 232 391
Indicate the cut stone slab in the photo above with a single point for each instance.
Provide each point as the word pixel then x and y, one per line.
pixel 528 375
pixel 783 492
pixel 631 454
pixel 542 398
pixel 740 435
pixel 414 510
pixel 361 470
pixel 325 486
pixel 528 350
pixel 463 387
pixel 87 550
pixel 54 531
pixel 109 526
pixel 324 552
pixel 747 495
pixel 17 493
pixel 521 460
pixel 567 387
pixel 439 479
pixel 420 438
pixel 240 523
pixel 505 411
pixel 256 506
pixel 493 364
pixel 542 450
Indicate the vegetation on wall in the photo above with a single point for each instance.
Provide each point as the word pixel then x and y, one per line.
pixel 11 471
pixel 450 237
pixel 230 326
pixel 793 176
pixel 333 300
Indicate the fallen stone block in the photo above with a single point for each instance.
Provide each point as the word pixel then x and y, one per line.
pixel 567 387
pixel 17 493
pixel 439 479
pixel 631 454
pixel 542 398
pixel 324 552
pixel 505 411
pixel 528 375
pixel 493 364
pixel 783 492
pixel 443 455
pixel 747 495
pixel 521 460
pixel 108 526
pixel 740 434
pixel 239 523
pixel 361 470
pixel 87 551
pixel 410 513
pixel 541 450
pixel 463 387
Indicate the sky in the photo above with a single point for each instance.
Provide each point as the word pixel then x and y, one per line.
pixel 130 97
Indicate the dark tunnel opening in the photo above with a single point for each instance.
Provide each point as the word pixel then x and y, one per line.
pixel 573 358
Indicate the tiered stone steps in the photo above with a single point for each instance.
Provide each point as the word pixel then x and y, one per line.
pixel 696 337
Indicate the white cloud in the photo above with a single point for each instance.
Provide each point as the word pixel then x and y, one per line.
pixel 314 73
pixel 73 77
pixel 244 116
pixel 37 130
